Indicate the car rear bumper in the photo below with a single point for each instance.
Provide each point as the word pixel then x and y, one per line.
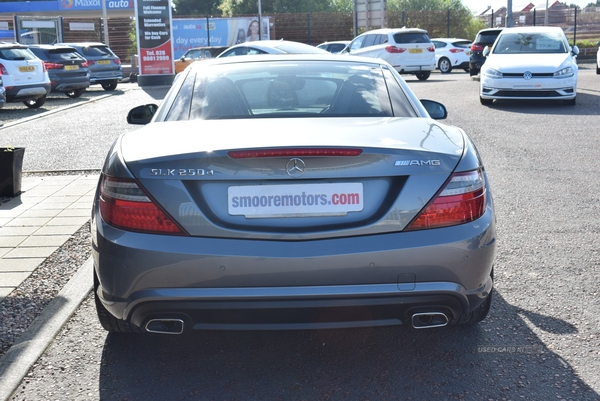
pixel 26 92
pixel 291 308
pixel 212 283
pixel 409 69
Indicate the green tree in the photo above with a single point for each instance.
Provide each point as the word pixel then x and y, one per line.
pixel 196 7
pixel 423 5
pixel 241 7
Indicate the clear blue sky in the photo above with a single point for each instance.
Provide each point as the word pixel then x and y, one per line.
pixel 477 5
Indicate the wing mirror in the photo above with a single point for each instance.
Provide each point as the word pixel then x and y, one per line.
pixel 486 51
pixel 436 110
pixel 141 115
pixel 575 50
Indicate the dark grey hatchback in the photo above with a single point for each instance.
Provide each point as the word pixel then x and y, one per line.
pixel 105 66
pixel 68 71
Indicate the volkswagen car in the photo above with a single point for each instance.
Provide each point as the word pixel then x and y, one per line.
pixel 281 192
pixel 530 63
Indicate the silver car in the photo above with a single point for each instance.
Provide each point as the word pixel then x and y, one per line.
pixel 291 192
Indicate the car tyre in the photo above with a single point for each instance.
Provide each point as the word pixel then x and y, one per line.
pixel 598 70
pixel 423 75
pixel 75 93
pixel 110 85
pixel 444 65
pixel 107 320
pixel 486 102
pixel 35 103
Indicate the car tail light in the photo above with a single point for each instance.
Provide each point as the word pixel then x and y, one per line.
pixel 301 152
pixel 85 64
pixel 394 49
pixel 462 200
pixel 123 204
pixel 431 49
pixel 3 70
pixel 52 66
pixel 117 61
pixel 91 62
pixel 476 47
pixel 456 50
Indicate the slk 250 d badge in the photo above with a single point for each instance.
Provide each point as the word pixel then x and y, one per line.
pixel 180 172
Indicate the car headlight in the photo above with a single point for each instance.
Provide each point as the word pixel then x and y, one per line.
pixel 564 73
pixel 490 72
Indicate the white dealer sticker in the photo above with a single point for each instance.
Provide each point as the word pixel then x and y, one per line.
pixel 301 200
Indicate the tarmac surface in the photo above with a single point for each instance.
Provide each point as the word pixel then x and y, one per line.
pixel 32 226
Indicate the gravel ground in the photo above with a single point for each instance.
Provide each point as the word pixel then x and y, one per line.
pixel 25 303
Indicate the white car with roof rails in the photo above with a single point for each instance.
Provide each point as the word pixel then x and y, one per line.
pixel 24 75
pixel 408 50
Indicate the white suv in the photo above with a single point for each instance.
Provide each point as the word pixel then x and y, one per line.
pixel 408 50
pixel 24 75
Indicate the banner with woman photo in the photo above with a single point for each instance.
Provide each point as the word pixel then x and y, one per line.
pixel 189 33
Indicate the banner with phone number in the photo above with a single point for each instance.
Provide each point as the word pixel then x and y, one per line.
pixel 154 37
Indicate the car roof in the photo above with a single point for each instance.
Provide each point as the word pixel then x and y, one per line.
pixel 13 45
pixel 207 47
pixel 451 40
pixel 84 44
pixel 533 29
pixel 396 30
pixel 52 47
pixel 325 56
pixel 281 45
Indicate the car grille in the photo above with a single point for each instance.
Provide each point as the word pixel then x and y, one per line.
pixel 520 74
pixel 509 93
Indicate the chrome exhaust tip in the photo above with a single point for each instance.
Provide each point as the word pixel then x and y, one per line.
pixel 429 320
pixel 165 326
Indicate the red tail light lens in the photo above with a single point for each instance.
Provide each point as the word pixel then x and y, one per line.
pixel 302 152
pixel 117 61
pixel 476 47
pixel 462 200
pixel 85 64
pixel 91 62
pixel 456 50
pixel 431 49
pixel 3 70
pixel 52 66
pixel 394 49
pixel 124 205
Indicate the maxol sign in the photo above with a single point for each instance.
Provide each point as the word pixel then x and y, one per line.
pixel 76 5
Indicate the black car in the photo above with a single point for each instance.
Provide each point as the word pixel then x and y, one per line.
pixel 68 71
pixel 485 37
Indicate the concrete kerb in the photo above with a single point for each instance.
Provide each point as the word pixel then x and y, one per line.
pixel 19 359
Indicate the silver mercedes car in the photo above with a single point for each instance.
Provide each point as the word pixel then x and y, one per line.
pixel 286 192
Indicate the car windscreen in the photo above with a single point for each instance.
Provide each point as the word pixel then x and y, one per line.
pixel 488 37
pixel 288 90
pixel 17 53
pixel 97 51
pixel 411 37
pixel 544 42
pixel 63 55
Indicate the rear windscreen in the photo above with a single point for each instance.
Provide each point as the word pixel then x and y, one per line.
pixel 414 37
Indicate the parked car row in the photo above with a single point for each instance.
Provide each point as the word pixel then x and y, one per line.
pixel 30 72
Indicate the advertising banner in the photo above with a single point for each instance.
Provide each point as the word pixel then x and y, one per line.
pixel 189 33
pixel 154 37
